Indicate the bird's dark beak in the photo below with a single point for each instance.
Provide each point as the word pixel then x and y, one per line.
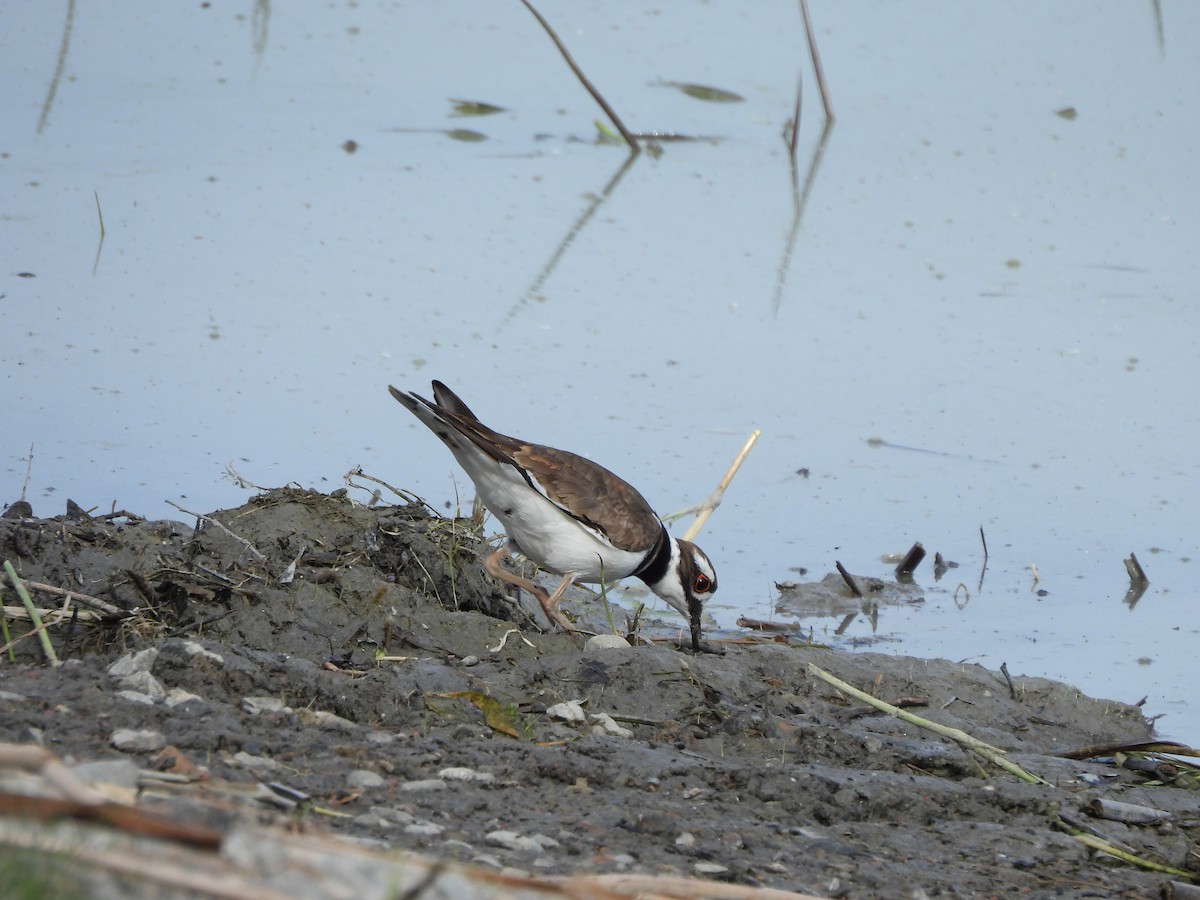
pixel 694 611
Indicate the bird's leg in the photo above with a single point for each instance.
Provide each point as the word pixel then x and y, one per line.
pixel 549 603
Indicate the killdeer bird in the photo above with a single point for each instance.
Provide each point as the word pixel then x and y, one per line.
pixel 566 513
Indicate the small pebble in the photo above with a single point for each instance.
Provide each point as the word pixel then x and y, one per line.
pixel 136 697
pixel 424 829
pixel 134 741
pixel 510 840
pixel 606 724
pixel 195 649
pixel 424 784
pixel 255 763
pixel 607 642
pixel 364 778
pixel 142 661
pixel 470 660
pixel 145 683
pixel 256 705
pixel 709 868
pixel 462 773
pixel 178 696
pixel 570 711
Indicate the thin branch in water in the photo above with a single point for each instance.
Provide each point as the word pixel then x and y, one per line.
pixel 100 244
pixel 634 148
pixel 911 560
pixel 849 579
pixel 795 136
pixel 709 505
pixel 28 472
pixel 983 540
pixel 63 48
pixel 1137 575
pixel 816 60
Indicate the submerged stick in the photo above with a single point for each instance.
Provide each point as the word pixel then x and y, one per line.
pixel 36 619
pixel 849 579
pixel 28 472
pixel 816 60
pixel 992 754
pixel 714 499
pixel 634 147
pixel 1137 575
pixel 911 560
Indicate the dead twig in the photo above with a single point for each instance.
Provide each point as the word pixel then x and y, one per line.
pixel 406 496
pixel 849 579
pixel 86 599
pixel 911 560
pixel 816 61
pixel 241 540
pixel 28 472
pixel 994 755
pixel 634 147
pixel 713 500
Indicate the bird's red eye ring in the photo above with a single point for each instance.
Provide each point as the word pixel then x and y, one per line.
pixel 702 584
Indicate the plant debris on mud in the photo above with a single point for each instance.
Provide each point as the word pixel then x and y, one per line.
pixel 308 663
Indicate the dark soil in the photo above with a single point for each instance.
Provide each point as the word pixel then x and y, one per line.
pixel 387 659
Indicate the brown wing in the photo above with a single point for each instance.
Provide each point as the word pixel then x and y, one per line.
pixel 591 493
pixel 584 489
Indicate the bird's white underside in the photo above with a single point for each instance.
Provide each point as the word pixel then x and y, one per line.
pixel 558 542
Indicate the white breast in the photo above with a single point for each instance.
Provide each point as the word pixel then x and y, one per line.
pixel 546 534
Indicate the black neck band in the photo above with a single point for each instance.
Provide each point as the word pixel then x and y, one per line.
pixel 654 566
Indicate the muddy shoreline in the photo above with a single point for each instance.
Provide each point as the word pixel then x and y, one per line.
pixel 308 663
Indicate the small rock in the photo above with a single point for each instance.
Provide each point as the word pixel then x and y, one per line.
pixel 471 660
pixel 195 649
pixel 136 697
pixel 709 868
pixel 178 696
pixel 142 661
pixel 570 711
pixel 462 773
pixel 424 784
pixel 510 840
pixel 256 705
pixel 255 763
pixel 364 778
pixel 132 741
pixel 685 841
pixel 606 724
pixel 424 829
pixel 10 696
pixel 607 642
pixel 373 820
pixel 326 719
pixel 145 683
